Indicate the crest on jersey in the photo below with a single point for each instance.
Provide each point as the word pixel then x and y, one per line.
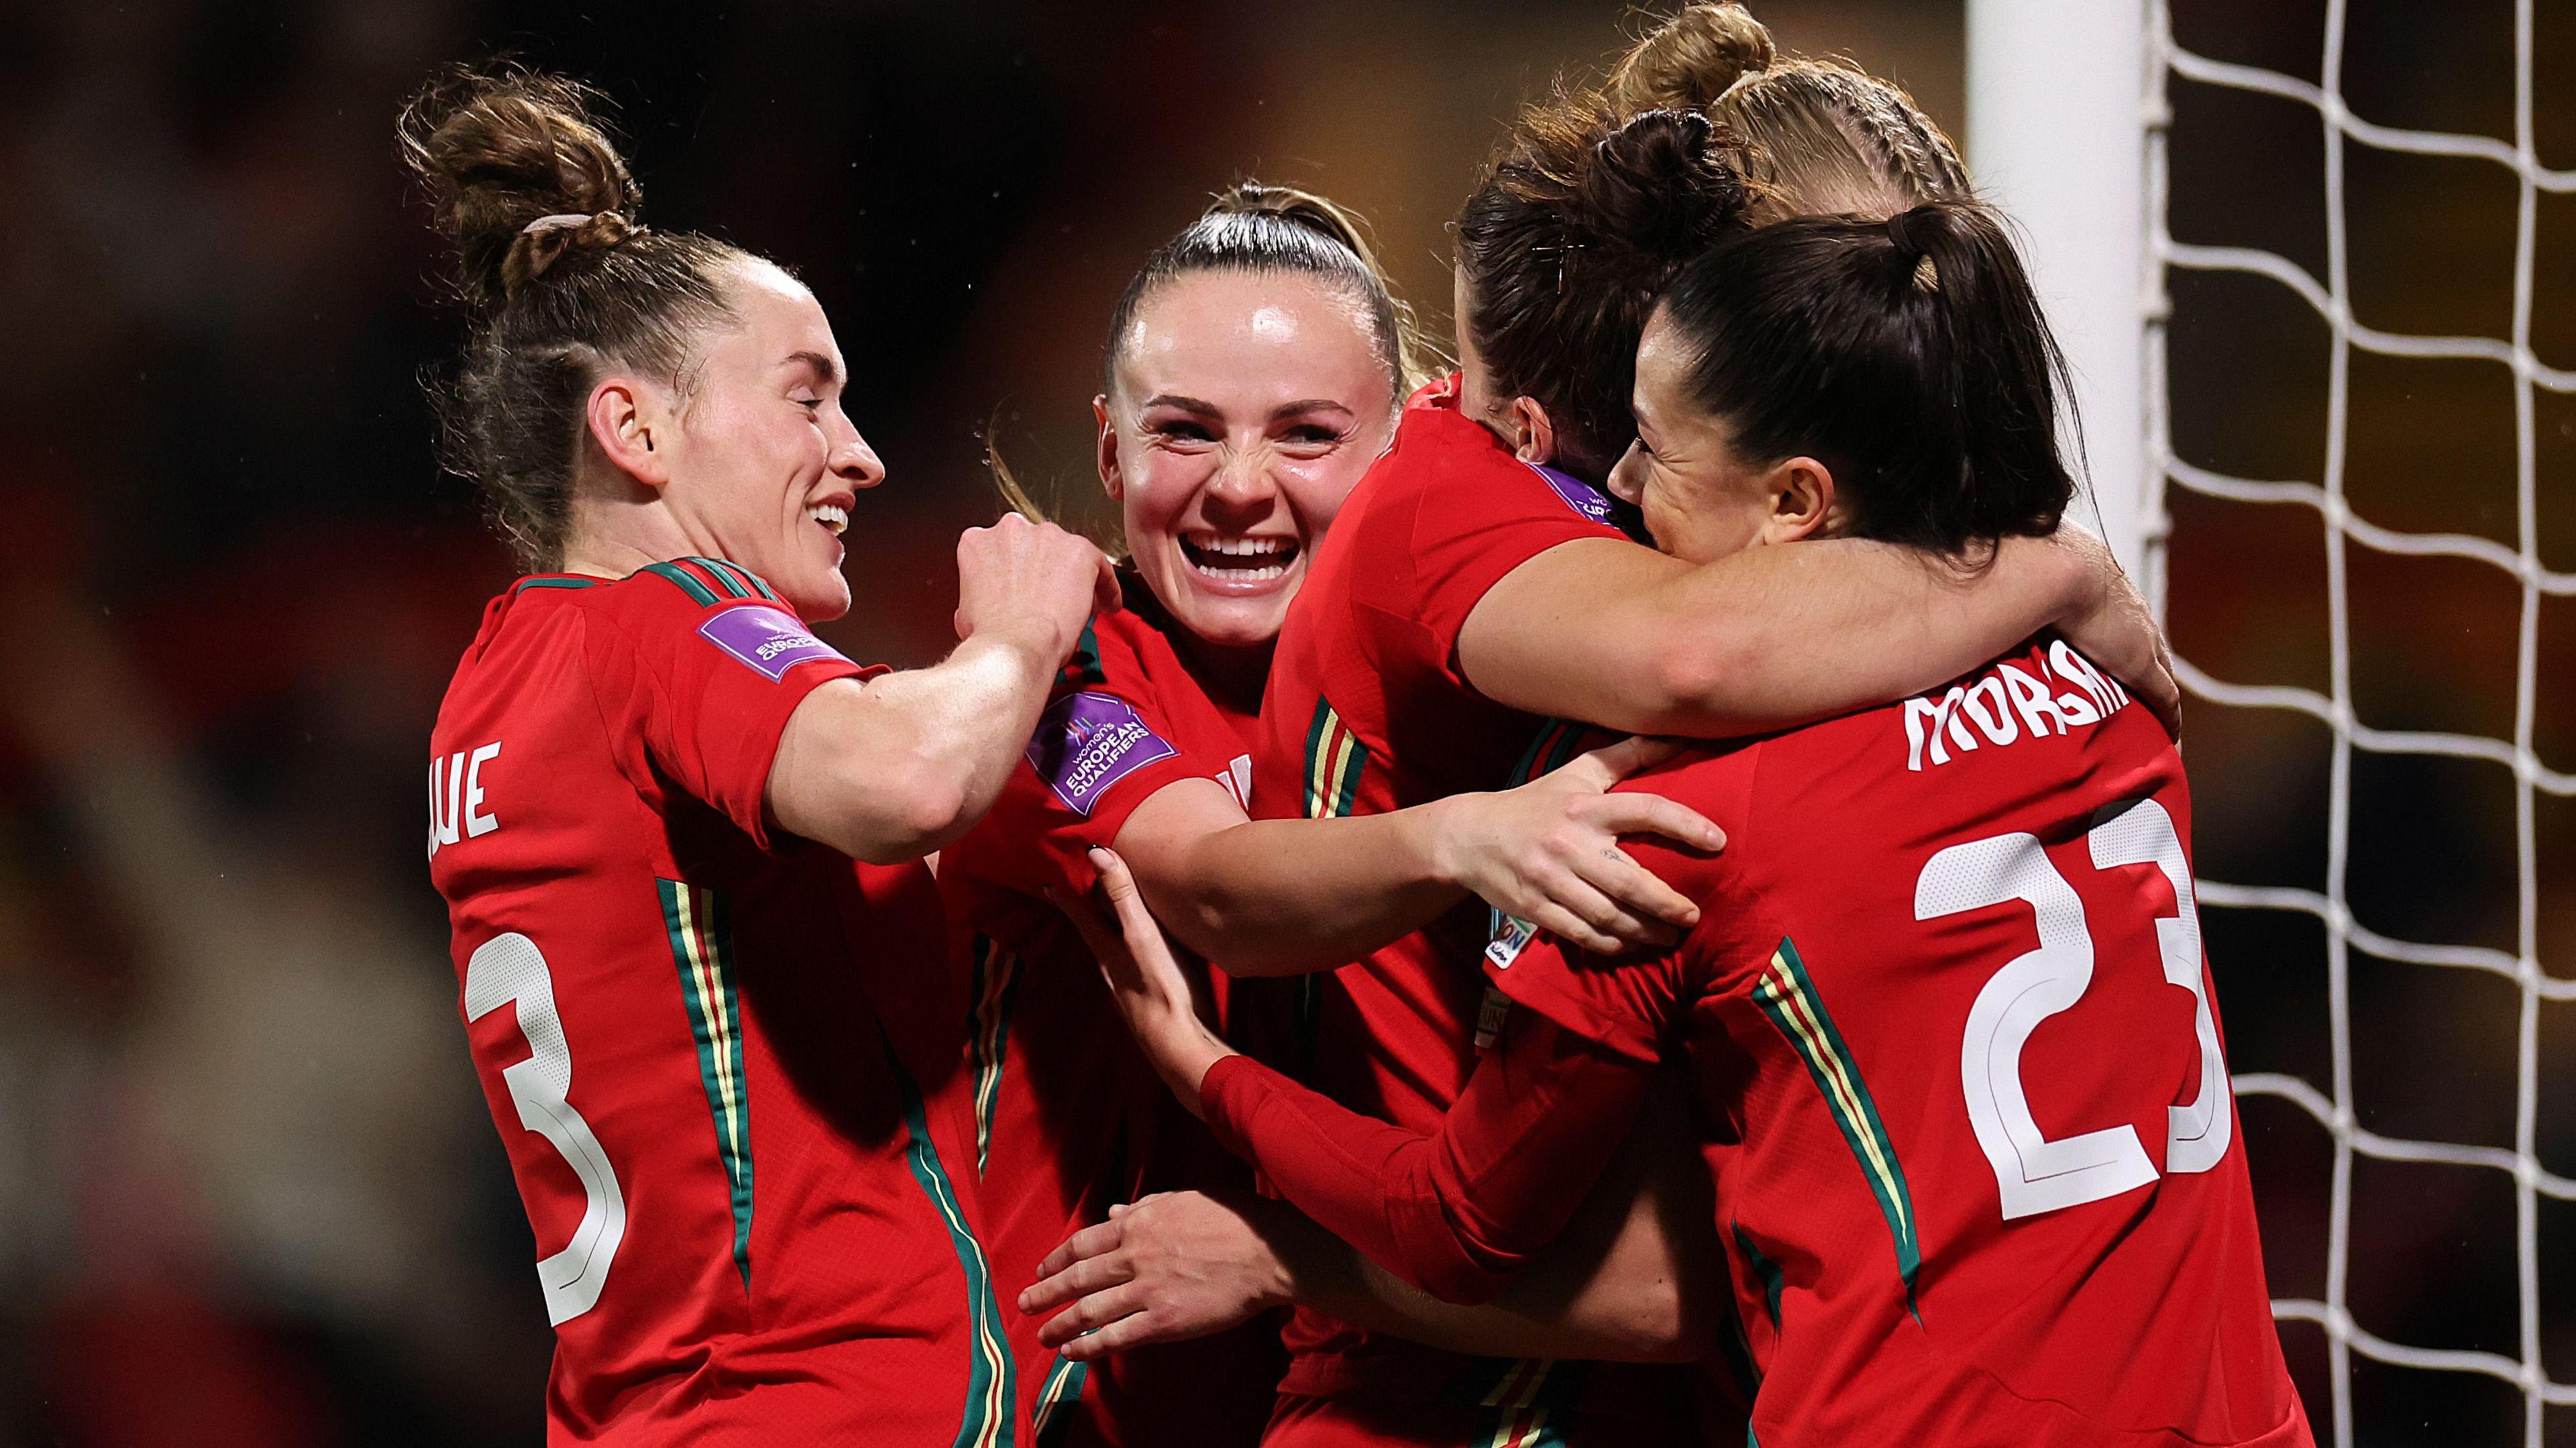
pixel 1087 742
pixel 767 640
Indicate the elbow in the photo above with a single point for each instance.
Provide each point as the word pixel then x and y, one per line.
pixel 1659 1323
pixel 1689 675
pixel 903 816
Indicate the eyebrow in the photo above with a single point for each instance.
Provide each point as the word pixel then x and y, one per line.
pixel 1285 409
pixel 823 366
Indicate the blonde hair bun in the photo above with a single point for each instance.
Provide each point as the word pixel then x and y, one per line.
pixel 1691 59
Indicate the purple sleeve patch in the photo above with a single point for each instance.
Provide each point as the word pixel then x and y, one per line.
pixel 1579 495
pixel 768 640
pixel 1088 742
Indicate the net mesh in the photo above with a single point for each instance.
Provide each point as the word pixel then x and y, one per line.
pixel 2331 1102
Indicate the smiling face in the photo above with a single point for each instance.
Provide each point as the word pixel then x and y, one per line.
pixel 1702 499
pixel 1244 408
pixel 765 465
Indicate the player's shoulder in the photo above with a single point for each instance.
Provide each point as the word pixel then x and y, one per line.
pixel 1715 780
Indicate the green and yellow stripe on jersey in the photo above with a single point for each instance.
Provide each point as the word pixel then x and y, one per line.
pixel 990 1382
pixel 1335 760
pixel 1052 1419
pixel 996 983
pixel 1787 994
pixel 709 581
pixel 1526 1394
pixel 702 947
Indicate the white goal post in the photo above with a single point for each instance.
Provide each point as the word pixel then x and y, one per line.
pixel 2067 128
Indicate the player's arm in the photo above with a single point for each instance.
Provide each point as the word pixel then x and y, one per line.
pixel 895 767
pixel 1455 1212
pixel 1264 897
pixel 1622 636
pixel 1635 1277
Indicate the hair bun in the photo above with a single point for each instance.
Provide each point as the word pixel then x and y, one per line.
pixel 503 148
pixel 1691 59
pixel 1660 187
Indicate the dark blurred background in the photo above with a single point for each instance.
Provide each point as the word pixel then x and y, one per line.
pixel 248 1191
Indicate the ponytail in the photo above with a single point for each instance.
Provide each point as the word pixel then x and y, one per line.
pixel 1909 356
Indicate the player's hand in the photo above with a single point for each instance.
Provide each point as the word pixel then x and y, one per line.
pixel 1548 852
pixel 1030 583
pixel 2113 627
pixel 1146 980
pixel 1175 1265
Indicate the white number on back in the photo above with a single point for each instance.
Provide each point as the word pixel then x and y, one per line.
pixel 2034 1173
pixel 510 968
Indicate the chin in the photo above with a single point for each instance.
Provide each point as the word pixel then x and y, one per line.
pixel 1233 623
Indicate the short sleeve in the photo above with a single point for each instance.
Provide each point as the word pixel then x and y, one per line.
pixel 714 666
pixel 1476 514
pixel 1102 747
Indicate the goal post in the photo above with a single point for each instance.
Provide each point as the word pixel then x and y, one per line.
pixel 2056 137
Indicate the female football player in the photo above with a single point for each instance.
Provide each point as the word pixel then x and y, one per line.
pixel 720 1059
pixel 1946 1010
pixel 1474 577
pixel 1255 368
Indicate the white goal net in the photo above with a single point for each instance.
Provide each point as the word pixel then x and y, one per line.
pixel 2175 489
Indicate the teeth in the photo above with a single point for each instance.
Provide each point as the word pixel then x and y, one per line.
pixel 830 516
pixel 1243 575
pixel 1241 547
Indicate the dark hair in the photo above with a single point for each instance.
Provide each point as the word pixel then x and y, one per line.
pixel 560 277
pixel 1579 223
pixel 1255 228
pixel 1909 356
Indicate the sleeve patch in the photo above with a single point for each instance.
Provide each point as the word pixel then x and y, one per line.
pixel 766 640
pixel 1594 504
pixel 1087 742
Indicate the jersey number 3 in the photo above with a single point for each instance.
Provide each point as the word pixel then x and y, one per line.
pixel 509 968
pixel 2033 1173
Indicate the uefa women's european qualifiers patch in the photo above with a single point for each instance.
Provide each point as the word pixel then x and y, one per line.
pixel 1088 742
pixel 767 639
pixel 1590 501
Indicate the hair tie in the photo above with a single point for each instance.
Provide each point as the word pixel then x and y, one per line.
pixel 543 242
pixel 1926 277
pixel 557 222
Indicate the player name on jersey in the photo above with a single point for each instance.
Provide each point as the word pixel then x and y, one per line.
pixel 2007 703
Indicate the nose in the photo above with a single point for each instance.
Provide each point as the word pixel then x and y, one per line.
pixel 853 461
pixel 1623 480
pixel 1242 491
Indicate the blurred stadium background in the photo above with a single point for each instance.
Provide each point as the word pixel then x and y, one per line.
pixel 248 1193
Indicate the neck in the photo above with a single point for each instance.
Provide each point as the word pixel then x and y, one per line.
pixel 611 538
pixel 1235 675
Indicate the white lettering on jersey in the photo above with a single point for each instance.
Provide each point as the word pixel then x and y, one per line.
pixel 2006 704
pixel 456 797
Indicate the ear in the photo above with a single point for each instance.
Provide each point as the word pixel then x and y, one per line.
pixel 633 428
pixel 1801 491
pixel 1533 432
pixel 1112 481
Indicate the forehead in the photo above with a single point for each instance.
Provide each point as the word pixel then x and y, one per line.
pixel 1246 336
pixel 774 316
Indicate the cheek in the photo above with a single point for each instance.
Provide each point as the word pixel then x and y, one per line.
pixel 1316 490
pixel 1159 488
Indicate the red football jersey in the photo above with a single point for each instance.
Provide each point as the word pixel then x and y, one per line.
pixel 1069 1117
pixel 1968 1110
pixel 1367 712
pixel 724 1061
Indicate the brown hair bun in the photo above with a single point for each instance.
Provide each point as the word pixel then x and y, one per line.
pixel 502 148
pixel 1690 60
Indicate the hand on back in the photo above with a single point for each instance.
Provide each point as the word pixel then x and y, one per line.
pixel 2118 631
pixel 1032 584
pixel 1548 852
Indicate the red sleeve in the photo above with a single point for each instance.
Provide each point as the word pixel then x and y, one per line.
pixel 1475 514
pixel 1103 747
pixel 1637 1005
pixel 1456 1213
pixel 706 667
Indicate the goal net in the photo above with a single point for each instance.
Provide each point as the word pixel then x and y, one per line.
pixel 2352 475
